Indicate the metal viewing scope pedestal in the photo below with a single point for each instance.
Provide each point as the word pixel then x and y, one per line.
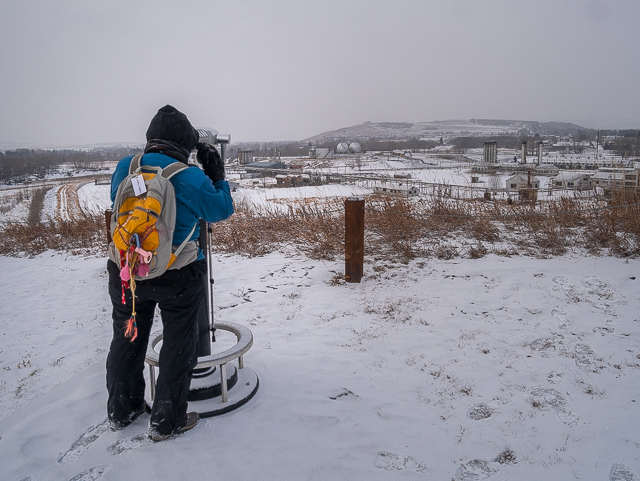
pixel 221 382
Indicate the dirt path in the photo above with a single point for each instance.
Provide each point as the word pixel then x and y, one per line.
pixel 67 203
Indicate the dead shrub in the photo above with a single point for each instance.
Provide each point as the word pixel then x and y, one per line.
pixel 616 226
pixel 478 251
pixel 484 230
pixel 315 229
pixel 395 226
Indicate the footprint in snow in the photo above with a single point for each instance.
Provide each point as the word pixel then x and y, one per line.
pixel 476 469
pixel 608 329
pixel 83 442
pixel 542 397
pixel 91 474
pixel 585 357
pixel 484 410
pixel 563 321
pixel 594 283
pixel 565 285
pixel 620 472
pixel 394 462
pixel 555 377
pixel 129 443
pixel 498 401
pixel 562 280
pixel 604 330
pixel 545 343
pixel 506 456
pixel 479 411
pixel 345 395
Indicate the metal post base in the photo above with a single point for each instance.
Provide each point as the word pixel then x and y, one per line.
pixel 243 390
pixel 220 386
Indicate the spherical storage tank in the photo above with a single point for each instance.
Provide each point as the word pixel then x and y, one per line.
pixel 342 148
pixel 355 148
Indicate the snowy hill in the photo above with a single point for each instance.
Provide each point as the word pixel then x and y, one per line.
pixel 447 129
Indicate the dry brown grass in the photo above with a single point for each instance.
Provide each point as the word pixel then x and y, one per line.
pixel 395 228
pixel 447 228
pixel 82 236
pixel 617 229
pixel 313 228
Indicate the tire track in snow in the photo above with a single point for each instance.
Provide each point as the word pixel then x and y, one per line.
pixel 67 202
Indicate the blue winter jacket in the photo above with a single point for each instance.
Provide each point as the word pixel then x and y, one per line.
pixel 196 196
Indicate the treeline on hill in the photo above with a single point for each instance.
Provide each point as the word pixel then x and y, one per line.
pixel 270 149
pixel 391 145
pixel 15 165
pixel 301 149
pixel 625 143
pixel 622 142
pixel 503 141
pixel 622 145
pixel 383 145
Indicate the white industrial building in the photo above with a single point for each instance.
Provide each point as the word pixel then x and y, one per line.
pixel 572 180
pixel 519 181
pixel 321 153
pixel 396 188
pixel 617 177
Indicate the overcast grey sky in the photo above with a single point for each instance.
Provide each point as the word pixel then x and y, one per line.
pixel 91 71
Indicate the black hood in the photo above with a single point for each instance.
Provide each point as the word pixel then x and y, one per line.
pixel 171 125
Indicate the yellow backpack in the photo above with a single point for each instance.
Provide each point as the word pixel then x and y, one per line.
pixel 142 226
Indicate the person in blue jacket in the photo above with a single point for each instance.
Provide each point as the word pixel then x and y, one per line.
pixel 179 292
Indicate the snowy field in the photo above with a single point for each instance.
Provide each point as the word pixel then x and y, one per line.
pixel 496 368
pixel 94 199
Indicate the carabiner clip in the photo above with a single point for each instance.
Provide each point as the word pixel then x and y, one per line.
pixel 135 238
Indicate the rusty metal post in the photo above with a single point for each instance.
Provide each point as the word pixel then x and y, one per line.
pixel 354 239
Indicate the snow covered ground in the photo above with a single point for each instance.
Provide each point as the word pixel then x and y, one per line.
pixel 94 199
pixel 496 368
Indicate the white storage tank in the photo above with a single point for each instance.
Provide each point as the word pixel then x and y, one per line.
pixel 342 148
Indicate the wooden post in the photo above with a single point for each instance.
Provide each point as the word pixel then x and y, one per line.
pixel 107 222
pixel 354 239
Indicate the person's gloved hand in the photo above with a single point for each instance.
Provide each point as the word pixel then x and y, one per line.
pixel 211 162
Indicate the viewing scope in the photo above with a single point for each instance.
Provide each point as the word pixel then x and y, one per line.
pixel 213 137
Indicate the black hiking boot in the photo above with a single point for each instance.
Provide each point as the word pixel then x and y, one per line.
pixel 118 424
pixel 192 420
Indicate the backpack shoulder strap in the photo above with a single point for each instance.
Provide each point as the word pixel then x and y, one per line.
pixel 172 169
pixel 186 240
pixel 168 172
pixel 135 163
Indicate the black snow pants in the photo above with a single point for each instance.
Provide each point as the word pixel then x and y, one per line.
pixel 180 296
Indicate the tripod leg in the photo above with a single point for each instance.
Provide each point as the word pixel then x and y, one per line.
pixel 204 346
pixel 212 320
